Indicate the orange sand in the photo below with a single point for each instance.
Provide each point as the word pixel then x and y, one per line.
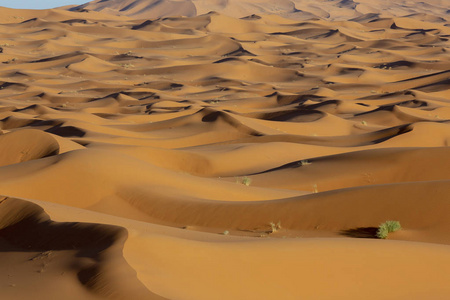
pixel 158 150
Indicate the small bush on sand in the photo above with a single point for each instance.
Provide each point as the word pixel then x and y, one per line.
pixel 387 227
pixel 244 180
pixel 304 162
pixel 275 227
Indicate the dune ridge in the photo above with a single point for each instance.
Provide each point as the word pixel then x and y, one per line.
pixel 247 153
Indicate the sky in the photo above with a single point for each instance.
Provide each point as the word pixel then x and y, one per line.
pixel 39 4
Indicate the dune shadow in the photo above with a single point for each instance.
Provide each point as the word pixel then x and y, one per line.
pixel 361 232
pixel 96 249
pixel 66 131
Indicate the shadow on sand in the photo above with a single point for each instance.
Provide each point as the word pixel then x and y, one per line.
pixel 361 232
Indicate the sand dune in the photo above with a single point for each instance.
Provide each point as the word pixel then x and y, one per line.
pixel 435 10
pixel 85 258
pixel 140 8
pixel 225 150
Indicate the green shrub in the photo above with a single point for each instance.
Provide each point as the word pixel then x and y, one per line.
pixel 244 180
pixel 387 227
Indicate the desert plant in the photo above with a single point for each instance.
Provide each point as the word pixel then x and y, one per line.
pixel 244 180
pixel 275 227
pixel 127 66
pixel 304 162
pixel 385 228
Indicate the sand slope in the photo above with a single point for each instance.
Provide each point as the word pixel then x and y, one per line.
pixel 52 258
pixel 140 9
pixel 220 157
pixel 293 9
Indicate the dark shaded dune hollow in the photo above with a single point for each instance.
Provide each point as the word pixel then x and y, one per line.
pixel 225 150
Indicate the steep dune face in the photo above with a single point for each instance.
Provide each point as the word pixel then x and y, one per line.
pixel 215 157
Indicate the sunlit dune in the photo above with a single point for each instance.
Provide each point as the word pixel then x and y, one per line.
pixel 199 150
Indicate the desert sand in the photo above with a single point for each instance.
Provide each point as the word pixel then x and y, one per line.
pixel 200 150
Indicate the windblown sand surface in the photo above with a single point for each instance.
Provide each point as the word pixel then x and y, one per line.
pixel 212 157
